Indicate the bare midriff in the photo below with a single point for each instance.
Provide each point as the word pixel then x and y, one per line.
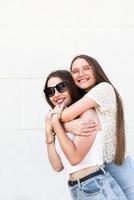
pixel 83 172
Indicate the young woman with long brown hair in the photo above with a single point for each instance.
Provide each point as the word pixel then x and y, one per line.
pixel 81 157
pixel 105 99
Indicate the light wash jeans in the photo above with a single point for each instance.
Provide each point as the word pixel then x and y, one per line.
pixel 124 175
pixel 101 187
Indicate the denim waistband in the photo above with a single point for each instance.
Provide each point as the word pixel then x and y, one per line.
pixel 72 183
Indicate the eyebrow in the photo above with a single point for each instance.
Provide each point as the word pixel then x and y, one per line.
pixel 83 66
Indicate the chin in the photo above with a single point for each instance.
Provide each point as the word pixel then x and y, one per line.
pixel 67 104
pixel 83 87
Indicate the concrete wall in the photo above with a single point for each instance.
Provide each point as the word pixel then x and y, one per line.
pixel 37 37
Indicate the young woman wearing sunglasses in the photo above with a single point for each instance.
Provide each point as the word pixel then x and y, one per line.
pixel 82 157
pixel 104 98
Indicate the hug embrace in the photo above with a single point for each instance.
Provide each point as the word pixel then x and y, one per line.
pixel 85 132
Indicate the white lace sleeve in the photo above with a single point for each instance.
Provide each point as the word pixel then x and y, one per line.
pixel 104 95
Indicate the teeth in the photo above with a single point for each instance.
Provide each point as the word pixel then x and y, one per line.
pixel 83 80
pixel 59 101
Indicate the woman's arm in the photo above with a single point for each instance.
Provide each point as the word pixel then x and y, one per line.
pixel 75 150
pixel 77 108
pixel 102 95
pixel 81 127
pixel 53 156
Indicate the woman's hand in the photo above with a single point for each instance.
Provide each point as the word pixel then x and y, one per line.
pixel 48 124
pixel 56 112
pixel 48 127
pixel 81 127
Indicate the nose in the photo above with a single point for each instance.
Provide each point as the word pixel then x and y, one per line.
pixel 81 72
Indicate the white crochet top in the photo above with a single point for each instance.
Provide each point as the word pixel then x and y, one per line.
pixel 104 95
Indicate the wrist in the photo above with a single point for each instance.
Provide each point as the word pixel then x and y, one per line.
pixel 49 136
pixel 50 140
pixel 56 117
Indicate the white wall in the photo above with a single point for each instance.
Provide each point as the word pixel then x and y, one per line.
pixel 37 37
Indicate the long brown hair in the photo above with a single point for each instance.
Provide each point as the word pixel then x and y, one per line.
pixel 120 127
pixel 75 92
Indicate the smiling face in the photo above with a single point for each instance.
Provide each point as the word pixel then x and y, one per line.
pixel 83 74
pixel 61 94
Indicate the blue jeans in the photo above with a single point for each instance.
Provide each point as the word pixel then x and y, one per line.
pixel 124 175
pixel 101 187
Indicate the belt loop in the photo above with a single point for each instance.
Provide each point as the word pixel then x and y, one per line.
pixel 102 168
pixel 79 184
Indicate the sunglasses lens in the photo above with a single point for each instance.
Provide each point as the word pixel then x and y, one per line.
pixel 49 92
pixel 61 87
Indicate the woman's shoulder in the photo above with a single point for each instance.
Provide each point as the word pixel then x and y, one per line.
pixel 102 87
pixel 104 95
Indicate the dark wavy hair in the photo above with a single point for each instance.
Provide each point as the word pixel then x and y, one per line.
pixel 75 92
pixel 120 127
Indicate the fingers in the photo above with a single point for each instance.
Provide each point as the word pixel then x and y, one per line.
pixel 91 124
pixel 59 108
pixel 89 130
pixel 87 121
pixel 47 117
pixel 88 126
pixel 86 134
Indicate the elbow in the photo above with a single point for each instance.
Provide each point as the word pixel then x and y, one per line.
pixel 58 169
pixel 75 161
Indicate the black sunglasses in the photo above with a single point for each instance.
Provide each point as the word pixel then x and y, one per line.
pixel 60 87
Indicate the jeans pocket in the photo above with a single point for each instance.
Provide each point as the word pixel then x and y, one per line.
pixel 91 187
